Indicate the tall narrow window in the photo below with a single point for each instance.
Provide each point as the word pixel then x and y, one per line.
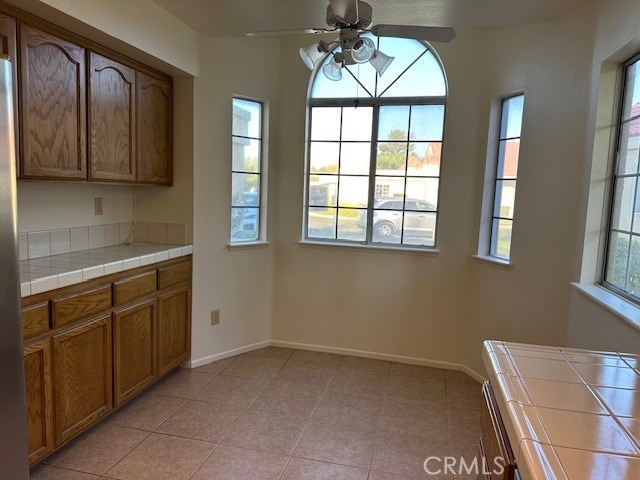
pixel 247 171
pixel 375 147
pixel 622 270
pixel 506 177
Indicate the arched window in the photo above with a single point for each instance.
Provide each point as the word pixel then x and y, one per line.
pixel 375 148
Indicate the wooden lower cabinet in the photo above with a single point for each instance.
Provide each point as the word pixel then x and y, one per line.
pixel 494 442
pixel 82 377
pixel 174 329
pixel 39 396
pixel 134 338
pixel 91 347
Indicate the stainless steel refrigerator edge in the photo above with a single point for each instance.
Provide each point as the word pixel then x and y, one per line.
pixel 14 461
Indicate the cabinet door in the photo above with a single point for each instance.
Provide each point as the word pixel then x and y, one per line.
pixel 83 377
pixel 37 374
pixel 134 340
pixel 155 130
pixel 174 329
pixel 53 107
pixel 112 120
pixel 8 47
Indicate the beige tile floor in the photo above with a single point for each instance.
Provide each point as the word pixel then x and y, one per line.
pixel 279 413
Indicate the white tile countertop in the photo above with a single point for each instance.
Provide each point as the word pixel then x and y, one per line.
pixel 48 273
pixel 570 414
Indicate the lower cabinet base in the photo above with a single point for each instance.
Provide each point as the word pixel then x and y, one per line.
pixel 98 345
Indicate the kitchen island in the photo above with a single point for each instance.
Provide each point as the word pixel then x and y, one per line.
pixel 568 414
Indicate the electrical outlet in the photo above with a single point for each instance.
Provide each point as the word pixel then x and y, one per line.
pixel 98 205
pixel 215 317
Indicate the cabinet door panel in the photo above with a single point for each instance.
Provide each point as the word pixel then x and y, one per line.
pixel 155 130
pixel 111 120
pixel 8 46
pixel 83 377
pixel 37 374
pixel 134 339
pixel 174 329
pixel 53 106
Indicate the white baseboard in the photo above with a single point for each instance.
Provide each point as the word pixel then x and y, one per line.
pixel 341 351
pixel 382 356
pixel 229 353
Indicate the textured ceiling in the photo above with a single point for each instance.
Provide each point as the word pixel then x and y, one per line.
pixel 237 17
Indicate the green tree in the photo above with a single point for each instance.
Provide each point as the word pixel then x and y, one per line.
pixel 393 155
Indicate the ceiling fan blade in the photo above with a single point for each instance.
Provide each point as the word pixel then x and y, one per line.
pixel 286 33
pixel 433 34
pixel 341 7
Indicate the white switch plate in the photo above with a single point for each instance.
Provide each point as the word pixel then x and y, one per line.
pixel 215 317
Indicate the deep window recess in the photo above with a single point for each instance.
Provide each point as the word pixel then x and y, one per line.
pixel 247 171
pixel 374 150
pixel 506 177
pixel 622 268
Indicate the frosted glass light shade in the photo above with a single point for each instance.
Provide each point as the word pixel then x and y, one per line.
pixel 333 70
pixel 380 62
pixel 362 50
pixel 311 56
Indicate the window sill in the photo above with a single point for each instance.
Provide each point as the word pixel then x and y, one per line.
pixel 494 261
pixel 369 248
pixel 247 246
pixel 626 310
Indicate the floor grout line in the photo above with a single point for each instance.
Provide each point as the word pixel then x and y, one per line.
pixel 324 393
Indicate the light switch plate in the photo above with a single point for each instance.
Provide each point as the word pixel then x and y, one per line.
pixel 98 205
pixel 215 317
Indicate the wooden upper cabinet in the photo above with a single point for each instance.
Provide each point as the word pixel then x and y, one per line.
pixel 8 46
pixel 155 129
pixel 112 120
pixel 53 106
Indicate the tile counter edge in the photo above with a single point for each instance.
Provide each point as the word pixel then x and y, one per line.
pixel 79 275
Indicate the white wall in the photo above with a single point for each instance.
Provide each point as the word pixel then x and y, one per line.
pixel 617 39
pixel 443 307
pixel 47 206
pixel 432 307
pixel 237 282
pixel 389 303
pixel 550 63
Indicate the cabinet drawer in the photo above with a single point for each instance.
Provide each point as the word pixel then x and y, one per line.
pixel 75 307
pixel 35 320
pixel 494 439
pixel 174 275
pixel 129 289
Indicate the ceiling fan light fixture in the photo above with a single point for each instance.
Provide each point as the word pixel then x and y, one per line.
pixel 311 55
pixel 333 69
pixel 362 49
pixel 380 62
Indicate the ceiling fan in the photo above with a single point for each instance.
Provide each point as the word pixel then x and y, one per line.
pixel 352 18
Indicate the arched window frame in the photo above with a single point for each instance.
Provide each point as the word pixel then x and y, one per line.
pixel 375 102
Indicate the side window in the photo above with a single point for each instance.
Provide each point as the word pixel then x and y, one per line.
pixel 504 178
pixel 622 267
pixel 248 166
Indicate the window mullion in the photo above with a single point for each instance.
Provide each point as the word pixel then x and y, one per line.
pixel 339 174
pixel 372 173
